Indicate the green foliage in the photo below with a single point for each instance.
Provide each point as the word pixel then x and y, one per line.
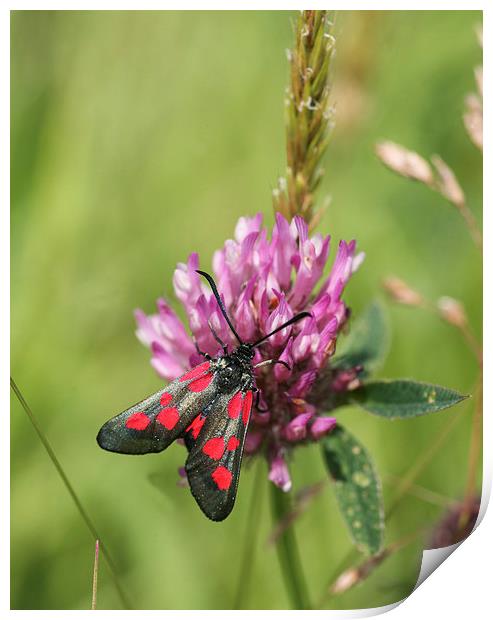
pixel 367 342
pixel 403 398
pixel 357 488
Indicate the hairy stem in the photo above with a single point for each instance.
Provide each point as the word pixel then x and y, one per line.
pixel 287 551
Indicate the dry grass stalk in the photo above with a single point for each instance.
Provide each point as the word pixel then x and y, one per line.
pixel 95 576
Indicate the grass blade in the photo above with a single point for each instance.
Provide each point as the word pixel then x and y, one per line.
pixel 82 511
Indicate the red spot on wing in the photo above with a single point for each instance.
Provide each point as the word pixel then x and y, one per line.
pixel 196 426
pixel 165 399
pixel 200 384
pixel 196 372
pixel 247 406
pixel 234 406
pixel 222 477
pixel 214 448
pixel 168 417
pixel 138 421
pixel 233 443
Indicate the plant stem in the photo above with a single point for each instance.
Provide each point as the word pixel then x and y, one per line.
pixel 422 493
pixel 472 225
pixel 249 540
pixel 82 511
pixel 287 551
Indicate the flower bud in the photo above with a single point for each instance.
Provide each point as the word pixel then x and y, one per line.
pixel 296 429
pixel 404 162
pixel 452 311
pixel 321 425
pixel 400 292
pixel 279 473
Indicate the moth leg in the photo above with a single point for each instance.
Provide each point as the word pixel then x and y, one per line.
pixel 206 355
pixel 269 362
pixel 257 401
pixel 217 339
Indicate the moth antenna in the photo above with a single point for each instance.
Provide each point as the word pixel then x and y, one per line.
pixel 220 303
pixel 217 339
pixel 295 319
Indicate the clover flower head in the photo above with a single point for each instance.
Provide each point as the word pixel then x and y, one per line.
pixel 263 284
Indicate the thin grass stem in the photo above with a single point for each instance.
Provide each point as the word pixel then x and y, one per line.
pixel 424 459
pixel 422 493
pixel 472 225
pixel 82 511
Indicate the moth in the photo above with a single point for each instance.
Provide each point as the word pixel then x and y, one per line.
pixel 209 407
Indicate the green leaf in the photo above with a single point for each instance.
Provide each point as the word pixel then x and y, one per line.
pixel 357 488
pixel 403 398
pixel 367 342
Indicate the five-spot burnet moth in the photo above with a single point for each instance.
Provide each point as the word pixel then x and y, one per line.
pixel 209 407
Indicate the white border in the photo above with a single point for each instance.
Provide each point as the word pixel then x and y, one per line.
pixel 462 584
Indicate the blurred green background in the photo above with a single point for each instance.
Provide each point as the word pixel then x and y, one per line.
pixel 139 137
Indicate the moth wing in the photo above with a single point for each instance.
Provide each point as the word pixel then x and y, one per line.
pixel 154 423
pixel 213 465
